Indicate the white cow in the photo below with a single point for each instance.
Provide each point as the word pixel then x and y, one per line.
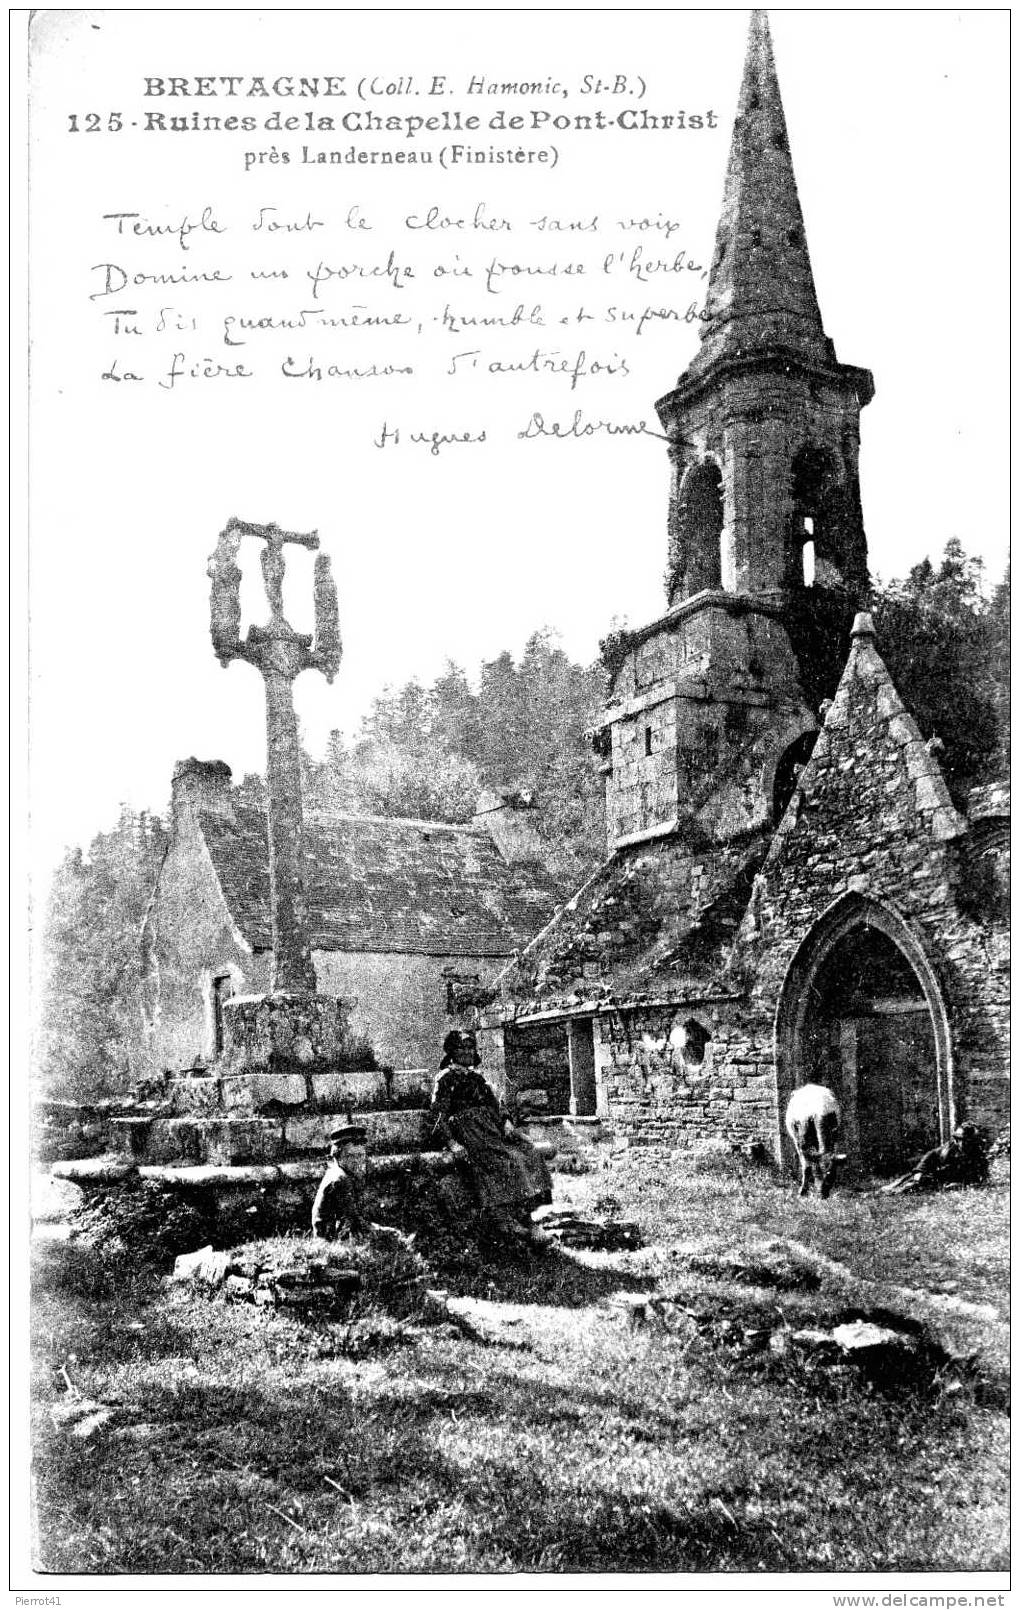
pixel 812 1123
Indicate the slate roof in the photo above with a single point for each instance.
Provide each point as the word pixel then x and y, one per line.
pixel 633 933
pixel 387 884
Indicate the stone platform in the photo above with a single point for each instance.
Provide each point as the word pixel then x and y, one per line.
pixel 225 1138
pixel 233 1190
pixel 312 1091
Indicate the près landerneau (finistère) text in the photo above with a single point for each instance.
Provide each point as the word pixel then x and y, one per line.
pixel 549 308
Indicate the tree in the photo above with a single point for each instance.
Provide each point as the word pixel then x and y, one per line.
pixel 998 667
pixel 90 1018
pixel 437 786
pixel 947 649
pixel 430 751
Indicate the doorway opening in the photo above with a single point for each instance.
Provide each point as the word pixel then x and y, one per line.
pixel 862 1013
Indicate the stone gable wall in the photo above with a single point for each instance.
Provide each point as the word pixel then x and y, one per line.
pixel 188 939
pixel 872 818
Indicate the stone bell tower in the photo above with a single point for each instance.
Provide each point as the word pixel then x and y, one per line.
pixel 713 707
pixel 764 426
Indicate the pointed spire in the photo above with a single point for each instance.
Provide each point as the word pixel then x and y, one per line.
pixel 761 291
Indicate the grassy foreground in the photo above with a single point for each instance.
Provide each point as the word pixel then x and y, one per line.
pixel 555 1436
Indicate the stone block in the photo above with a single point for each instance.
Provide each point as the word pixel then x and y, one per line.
pixel 928 794
pixel 247 1036
pixel 96 1172
pixel 235 1092
pixel 241 1140
pixel 537 1100
pixel 239 1288
pixel 310 1132
pixel 268 1032
pixel 195 1095
pixel 161 1140
pixel 890 705
pixel 335 1092
pixel 173 1140
pixel 408 1130
pixel 329 1090
pixel 946 823
pixel 411 1086
pixel 903 730
pixel 289 1089
pixel 205 1266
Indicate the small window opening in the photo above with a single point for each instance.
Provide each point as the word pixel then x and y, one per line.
pixel 694 1037
pixel 813 556
pixel 648 740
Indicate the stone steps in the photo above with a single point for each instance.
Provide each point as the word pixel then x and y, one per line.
pixel 375 1090
pixel 225 1139
pixel 233 1193
pixel 115 1170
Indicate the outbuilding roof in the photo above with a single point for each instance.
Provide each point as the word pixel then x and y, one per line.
pixel 387 884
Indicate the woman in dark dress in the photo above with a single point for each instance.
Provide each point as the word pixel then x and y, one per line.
pixel 509 1176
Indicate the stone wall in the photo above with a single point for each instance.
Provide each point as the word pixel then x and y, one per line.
pixel 399 1001
pixel 703 705
pixel 537 1061
pixel 656 1098
pixel 189 939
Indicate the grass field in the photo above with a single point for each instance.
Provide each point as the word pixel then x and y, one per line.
pixel 555 1435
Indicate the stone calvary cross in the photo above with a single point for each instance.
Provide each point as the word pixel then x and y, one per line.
pixel 281 654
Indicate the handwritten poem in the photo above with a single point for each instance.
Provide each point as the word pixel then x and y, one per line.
pixel 241 297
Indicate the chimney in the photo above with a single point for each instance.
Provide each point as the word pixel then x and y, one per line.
pixel 200 785
pixel 509 819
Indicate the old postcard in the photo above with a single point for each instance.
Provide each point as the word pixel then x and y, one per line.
pixel 516 700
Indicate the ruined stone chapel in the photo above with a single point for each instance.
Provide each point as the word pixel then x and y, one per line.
pixel 790 893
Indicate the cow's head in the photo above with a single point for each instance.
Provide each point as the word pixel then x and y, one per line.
pixel 827 1168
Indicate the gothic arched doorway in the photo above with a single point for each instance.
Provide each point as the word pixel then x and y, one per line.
pixel 861 1011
